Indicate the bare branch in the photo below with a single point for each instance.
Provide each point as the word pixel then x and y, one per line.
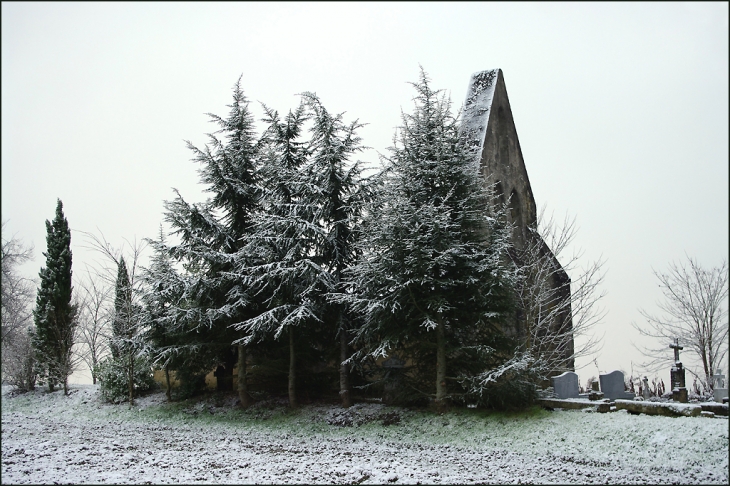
pixel 693 310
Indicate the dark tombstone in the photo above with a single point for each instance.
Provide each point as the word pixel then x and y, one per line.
pixel 224 378
pixel 595 393
pixel 679 388
pixel 224 372
pixel 393 378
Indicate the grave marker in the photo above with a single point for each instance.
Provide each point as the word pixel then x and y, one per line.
pixel 720 391
pixel 612 386
pixel 645 391
pixel 676 374
pixel 566 385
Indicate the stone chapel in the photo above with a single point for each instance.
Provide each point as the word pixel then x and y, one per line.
pixel 488 126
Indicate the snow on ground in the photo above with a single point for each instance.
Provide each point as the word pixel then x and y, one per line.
pixel 49 438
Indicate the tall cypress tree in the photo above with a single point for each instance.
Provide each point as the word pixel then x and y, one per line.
pixel 54 314
pixel 121 324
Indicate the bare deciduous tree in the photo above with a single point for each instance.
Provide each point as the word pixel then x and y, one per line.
pixel 130 316
pixel 560 313
pixel 93 328
pixel 17 311
pixel 693 311
pixel 17 291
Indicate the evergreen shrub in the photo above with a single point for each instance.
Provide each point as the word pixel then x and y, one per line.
pixel 114 382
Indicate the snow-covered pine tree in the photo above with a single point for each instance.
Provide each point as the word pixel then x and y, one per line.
pixel 124 327
pixel 279 261
pixel 340 194
pixel 433 284
pixel 54 313
pixel 210 234
pixel 161 297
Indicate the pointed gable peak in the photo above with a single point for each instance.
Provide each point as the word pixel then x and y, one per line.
pixel 477 106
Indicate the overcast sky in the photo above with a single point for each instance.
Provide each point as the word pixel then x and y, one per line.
pixel 621 111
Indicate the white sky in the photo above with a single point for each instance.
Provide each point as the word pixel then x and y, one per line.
pixel 621 111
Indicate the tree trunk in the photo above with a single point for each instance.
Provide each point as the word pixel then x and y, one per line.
pixel 344 372
pixel 440 367
pixel 168 392
pixel 242 385
pixel 131 380
pixel 292 371
pixel 65 359
pixel 94 366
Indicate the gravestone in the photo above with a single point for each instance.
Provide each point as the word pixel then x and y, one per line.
pixel 645 391
pixel 595 393
pixel 676 375
pixel 393 379
pixel 612 386
pixel 566 385
pixel 720 391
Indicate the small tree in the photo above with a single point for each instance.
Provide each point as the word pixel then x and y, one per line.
pixel 560 313
pixel 127 319
pixel 18 364
pixel 162 298
pixel 694 310
pixel 17 291
pixel 125 325
pixel 94 324
pixel 55 314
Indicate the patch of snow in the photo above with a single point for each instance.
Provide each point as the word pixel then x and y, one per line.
pixel 48 438
pixel 477 107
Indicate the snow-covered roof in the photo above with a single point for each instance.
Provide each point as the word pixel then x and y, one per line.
pixel 477 106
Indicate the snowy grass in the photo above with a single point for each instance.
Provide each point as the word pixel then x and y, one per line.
pixel 48 438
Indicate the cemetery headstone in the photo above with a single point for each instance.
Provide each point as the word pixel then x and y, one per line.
pixel 720 390
pixel 566 385
pixel 645 391
pixel 393 378
pixel 595 393
pixel 679 388
pixel 612 386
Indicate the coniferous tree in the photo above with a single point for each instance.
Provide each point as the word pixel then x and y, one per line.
pixel 341 194
pixel 303 236
pixel 55 314
pixel 210 234
pixel 433 284
pixel 284 272
pixel 161 298
pixel 125 326
pixel 122 320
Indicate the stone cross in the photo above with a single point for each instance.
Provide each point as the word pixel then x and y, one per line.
pixel 676 348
